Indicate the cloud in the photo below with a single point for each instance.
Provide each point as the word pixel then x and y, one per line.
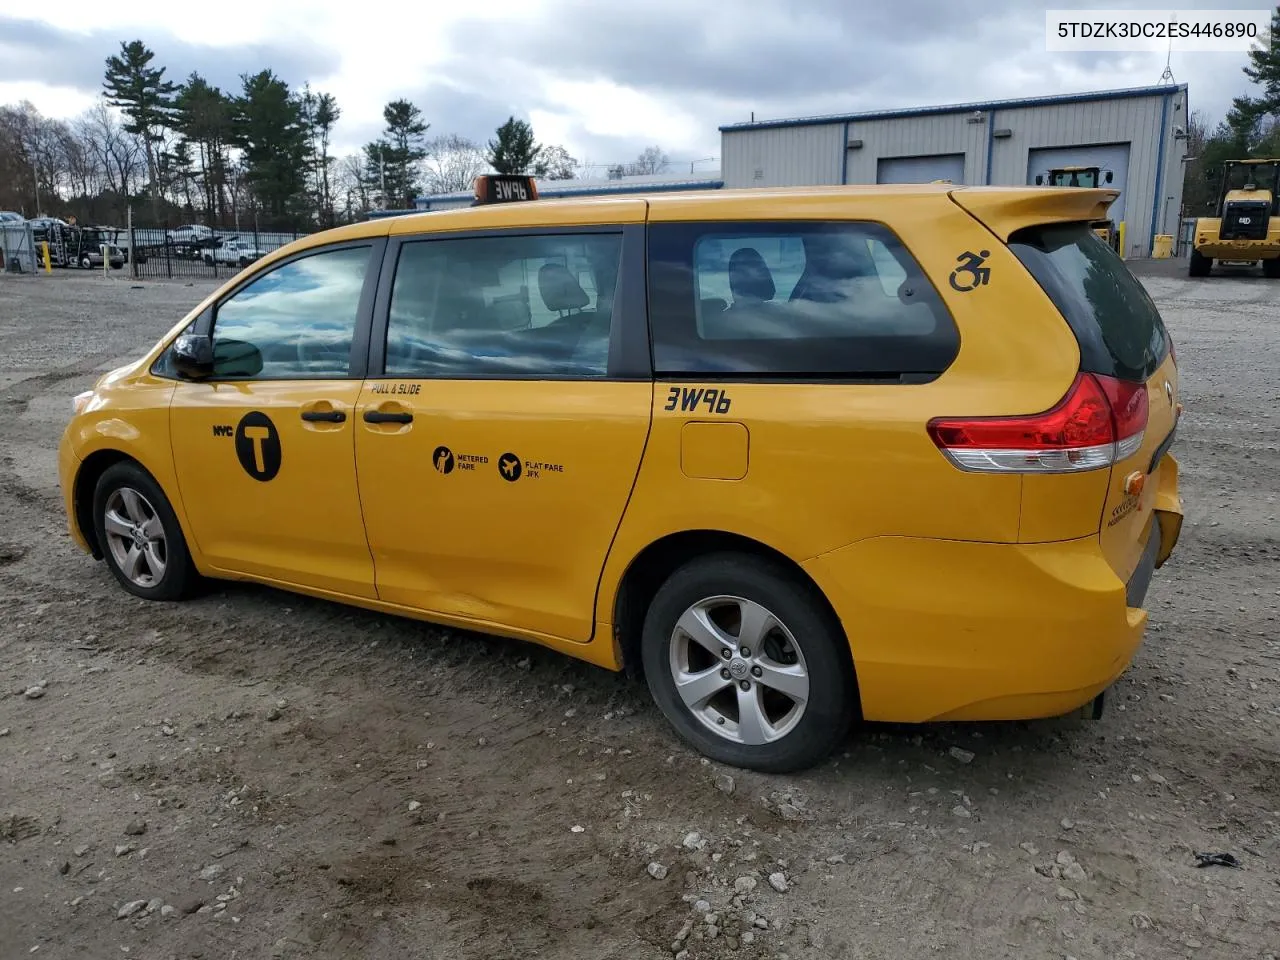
pixel 30 49
pixel 603 79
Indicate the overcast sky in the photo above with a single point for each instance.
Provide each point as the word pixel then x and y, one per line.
pixel 603 77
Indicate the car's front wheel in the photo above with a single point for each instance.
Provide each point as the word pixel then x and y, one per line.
pixel 139 534
pixel 747 663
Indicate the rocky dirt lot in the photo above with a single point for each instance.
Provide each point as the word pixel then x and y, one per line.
pixel 257 775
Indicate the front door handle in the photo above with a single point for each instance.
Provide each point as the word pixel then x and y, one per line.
pixel 324 416
pixel 381 416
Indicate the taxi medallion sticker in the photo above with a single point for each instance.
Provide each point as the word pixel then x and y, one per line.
pixel 258 446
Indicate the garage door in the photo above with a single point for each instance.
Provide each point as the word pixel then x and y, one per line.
pixel 1113 157
pixel 949 166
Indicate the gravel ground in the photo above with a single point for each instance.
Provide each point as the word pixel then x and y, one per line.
pixel 254 774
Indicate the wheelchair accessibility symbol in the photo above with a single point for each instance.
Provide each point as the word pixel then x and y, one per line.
pixel 971 273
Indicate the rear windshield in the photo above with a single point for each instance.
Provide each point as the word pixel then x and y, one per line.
pixel 1114 319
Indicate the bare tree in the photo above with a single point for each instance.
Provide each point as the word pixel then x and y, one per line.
pixel 351 187
pixel 555 163
pixel 117 153
pixel 652 160
pixel 452 164
pixel 34 152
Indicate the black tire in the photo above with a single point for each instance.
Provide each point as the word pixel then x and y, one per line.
pixel 1271 268
pixel 831 704
pixel 1200 265
pixel 179 575
pixel 86 263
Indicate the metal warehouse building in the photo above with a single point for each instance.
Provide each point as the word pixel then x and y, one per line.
pixel 1138 134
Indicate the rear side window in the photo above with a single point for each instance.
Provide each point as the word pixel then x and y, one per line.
pixel 1114 319
pixel 793 300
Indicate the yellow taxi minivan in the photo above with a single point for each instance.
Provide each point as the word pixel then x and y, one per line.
pixel 798 456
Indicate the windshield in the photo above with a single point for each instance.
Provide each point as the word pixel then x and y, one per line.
pixel 1115 321
pixel 1075 178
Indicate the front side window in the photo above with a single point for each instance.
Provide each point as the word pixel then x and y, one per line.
pixel 301 318
pixel 519 307
pixel 801 300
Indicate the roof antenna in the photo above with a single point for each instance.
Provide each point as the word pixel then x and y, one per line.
pixel 1167 76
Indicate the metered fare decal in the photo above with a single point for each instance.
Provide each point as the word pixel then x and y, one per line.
pixel 446 461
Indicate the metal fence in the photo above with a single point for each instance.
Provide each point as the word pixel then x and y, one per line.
pixel 17 248
pixel 195 252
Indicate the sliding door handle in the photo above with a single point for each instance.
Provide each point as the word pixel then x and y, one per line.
pixel 381 416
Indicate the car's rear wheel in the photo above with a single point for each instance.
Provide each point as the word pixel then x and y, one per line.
pixel 139 534
pixel 1200 264
pixel 747 664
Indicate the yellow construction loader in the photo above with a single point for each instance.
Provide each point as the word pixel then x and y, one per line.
pixel 1246 229
pixel 1086 177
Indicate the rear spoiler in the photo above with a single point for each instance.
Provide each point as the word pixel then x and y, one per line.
pixel 1006 210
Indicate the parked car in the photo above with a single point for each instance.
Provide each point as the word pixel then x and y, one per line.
pixel 797 457
pixel 190 233
pixel 191 241
pixel 233 252
pixel 10 216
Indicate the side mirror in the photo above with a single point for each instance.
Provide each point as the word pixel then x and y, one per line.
pixel 193 356
pixel 236 359
pixel 197 357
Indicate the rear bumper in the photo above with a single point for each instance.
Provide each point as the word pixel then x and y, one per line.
pixel 952 630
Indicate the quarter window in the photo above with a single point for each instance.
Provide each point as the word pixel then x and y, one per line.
pixel 801 300
pixel 518 307
pixel 301 316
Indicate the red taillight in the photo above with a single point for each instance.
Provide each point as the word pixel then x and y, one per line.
pixel 1100 421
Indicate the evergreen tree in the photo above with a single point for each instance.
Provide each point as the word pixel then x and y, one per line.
pixel 205 117
pixel 145 98
pixel 1264 68
pixel 514 150
pixel 273 138
pixel 399 153
pixel 323 119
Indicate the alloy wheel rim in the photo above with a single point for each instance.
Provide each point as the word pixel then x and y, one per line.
pixel 135 537
pixel 739 670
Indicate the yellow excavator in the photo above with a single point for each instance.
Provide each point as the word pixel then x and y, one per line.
pixel 1246 229
pixel 1085 177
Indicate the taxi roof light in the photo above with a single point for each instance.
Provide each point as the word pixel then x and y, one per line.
pixel 504 188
